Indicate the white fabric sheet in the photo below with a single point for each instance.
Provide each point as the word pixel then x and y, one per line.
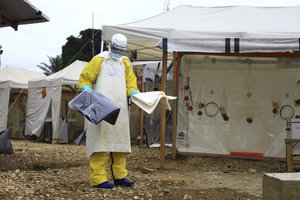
pixel 4 99
pixel 148 101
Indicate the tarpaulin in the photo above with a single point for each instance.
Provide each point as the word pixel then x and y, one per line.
pixel 95 107
pixel 5 144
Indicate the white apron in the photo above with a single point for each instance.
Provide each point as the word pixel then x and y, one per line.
pixel 105 137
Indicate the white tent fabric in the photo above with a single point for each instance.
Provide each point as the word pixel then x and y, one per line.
pixel 17 77
pixel 4 98
pixel 45 91
pixel 11 77
pixel 205 29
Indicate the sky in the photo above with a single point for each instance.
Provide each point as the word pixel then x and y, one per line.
pixel 31 44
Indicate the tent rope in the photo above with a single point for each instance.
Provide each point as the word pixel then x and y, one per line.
pixel 12 107
pixel 71 60
pixel 15 100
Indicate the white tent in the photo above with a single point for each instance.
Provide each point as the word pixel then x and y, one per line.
pixel 239 31
pixel 45 91
pixel 213 29
pixel 11 77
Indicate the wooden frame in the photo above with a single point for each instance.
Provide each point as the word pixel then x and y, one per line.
pixel 292 160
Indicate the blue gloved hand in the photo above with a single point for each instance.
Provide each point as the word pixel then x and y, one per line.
pixel 86 87
pixel 133 92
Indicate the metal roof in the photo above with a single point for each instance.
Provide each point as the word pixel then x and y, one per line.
pixel 19 12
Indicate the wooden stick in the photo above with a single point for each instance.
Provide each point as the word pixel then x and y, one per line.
pixel 174 107
pixel 163 106
pixel 289 162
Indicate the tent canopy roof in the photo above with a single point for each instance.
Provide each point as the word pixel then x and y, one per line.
pixel 19 12
pixel 17 77
pixel 214 22
pixel 68 76
pixel 211 25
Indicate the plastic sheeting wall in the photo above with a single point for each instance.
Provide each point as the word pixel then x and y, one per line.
pixel 244 89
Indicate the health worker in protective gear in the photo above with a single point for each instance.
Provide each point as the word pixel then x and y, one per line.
pixel 110 73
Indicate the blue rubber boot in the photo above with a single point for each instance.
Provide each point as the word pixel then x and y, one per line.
pixel 105 185
pixel 124 182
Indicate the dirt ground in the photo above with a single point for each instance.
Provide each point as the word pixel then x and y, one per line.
pixel 51 171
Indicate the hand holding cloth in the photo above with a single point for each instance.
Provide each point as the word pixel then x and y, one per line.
pixel 148 101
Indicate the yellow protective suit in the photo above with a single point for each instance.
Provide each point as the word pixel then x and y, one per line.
pixel 114 79
pixel 98 162
pixel 90 73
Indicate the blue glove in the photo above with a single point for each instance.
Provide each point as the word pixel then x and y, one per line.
pixel 86 87
pixel 133 92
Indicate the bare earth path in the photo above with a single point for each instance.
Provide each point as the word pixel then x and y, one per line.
pixel 48 171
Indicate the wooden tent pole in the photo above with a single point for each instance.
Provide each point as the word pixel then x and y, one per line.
pixel 176 61
pixel 163 106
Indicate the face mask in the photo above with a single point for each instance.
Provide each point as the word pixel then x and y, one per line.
pixel 115 53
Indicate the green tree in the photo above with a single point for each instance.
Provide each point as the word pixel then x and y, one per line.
pixel 81 47
pixel 54 66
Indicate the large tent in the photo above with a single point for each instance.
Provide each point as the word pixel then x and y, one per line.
pixel 213 29
pixel 239 62
pixel 12 78
pixel 45 92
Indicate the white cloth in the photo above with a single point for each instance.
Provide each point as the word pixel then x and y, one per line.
pixel 148 101
pixel 105 137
